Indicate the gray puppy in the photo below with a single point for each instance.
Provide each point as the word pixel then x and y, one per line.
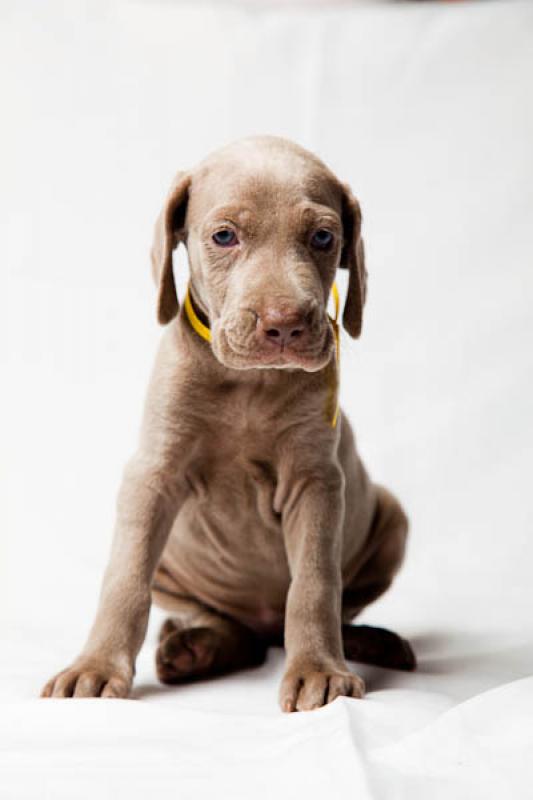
pixel 246 511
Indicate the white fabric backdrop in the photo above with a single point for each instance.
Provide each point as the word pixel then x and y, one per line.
pixel 427 110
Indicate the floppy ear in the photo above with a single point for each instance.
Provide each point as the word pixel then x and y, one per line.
pixel 169 231
pixel 353 259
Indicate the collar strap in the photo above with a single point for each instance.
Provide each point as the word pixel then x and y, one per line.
pixel 336 302
pixel 333 399
pixel 204 332
pixel 196 323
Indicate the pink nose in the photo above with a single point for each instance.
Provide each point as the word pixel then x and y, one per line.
pixel 285 328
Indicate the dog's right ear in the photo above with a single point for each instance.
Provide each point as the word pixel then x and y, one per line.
pixel 169 232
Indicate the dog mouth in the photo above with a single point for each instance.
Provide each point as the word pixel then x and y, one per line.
pixel 247 353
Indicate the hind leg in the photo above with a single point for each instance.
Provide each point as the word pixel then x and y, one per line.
pixel 378 564
pixel 196 642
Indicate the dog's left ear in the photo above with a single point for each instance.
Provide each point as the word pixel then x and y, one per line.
pixel 169 232
pixel 353 259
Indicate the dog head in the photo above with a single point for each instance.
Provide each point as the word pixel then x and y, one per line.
pixel 266 226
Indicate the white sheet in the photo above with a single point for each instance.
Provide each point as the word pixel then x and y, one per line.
pixel 427 110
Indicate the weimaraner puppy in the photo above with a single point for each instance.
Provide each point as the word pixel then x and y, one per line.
pixel 246 511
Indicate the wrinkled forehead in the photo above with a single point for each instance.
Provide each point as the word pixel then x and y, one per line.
pixel 261 186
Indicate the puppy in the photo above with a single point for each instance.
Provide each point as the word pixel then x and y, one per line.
pixel 246 511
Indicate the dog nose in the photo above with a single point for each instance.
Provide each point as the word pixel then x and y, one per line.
pixel 282 328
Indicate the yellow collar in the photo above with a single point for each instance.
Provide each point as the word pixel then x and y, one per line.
pixel 333 399
pixel 196 323
pixel 332 403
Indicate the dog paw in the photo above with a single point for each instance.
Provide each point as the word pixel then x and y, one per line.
pixel 379 646
pixel 186 654
pixel 305 688
pixel 90 679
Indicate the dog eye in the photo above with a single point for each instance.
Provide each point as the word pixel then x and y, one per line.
pixel 225 238
pixel 322 239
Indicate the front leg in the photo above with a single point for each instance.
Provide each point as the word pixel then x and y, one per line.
pixel 316 671
pixel 147 504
